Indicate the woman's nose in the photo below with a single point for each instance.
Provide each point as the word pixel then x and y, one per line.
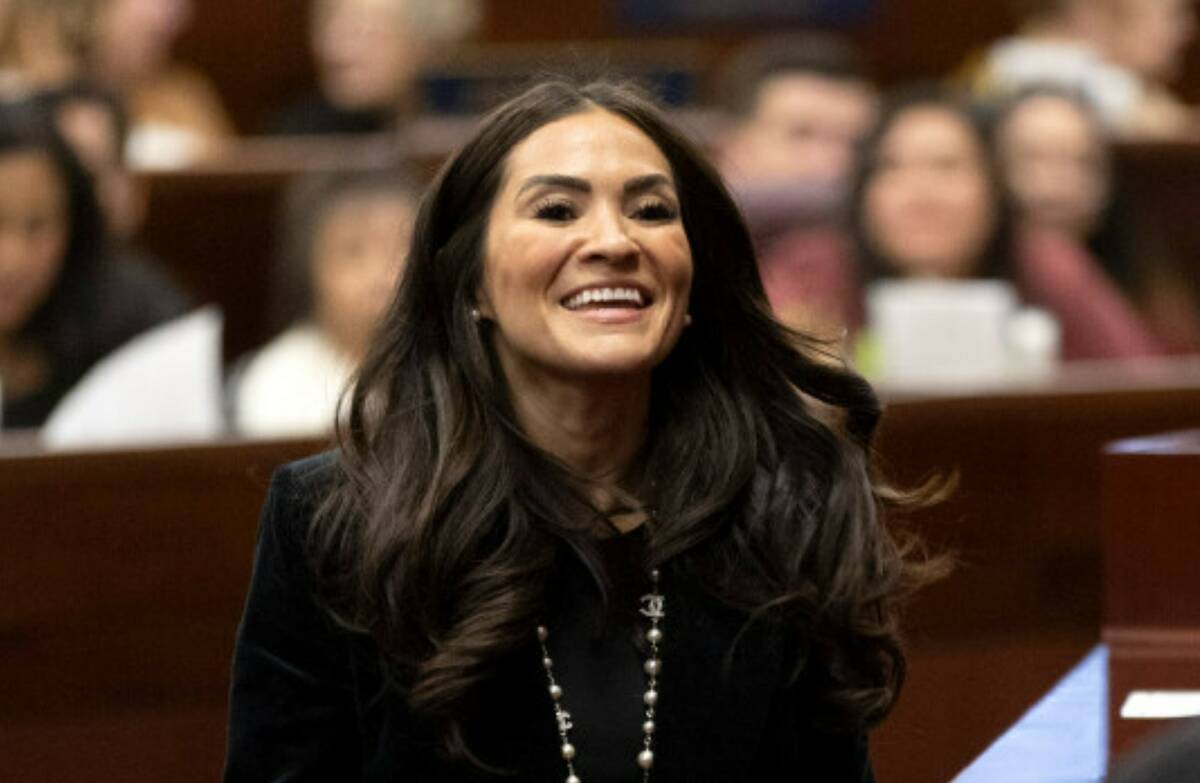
pixel 609 238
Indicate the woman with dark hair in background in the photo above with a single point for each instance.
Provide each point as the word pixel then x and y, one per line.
pixel 928 201
pixel 63 303
pixel 1057 164
pixel 578 397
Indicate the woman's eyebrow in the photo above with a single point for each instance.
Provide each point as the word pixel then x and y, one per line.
pixel 556 181
pixel 646 182
pixel 633 186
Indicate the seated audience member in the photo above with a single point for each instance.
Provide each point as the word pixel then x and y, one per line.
pixel 93 123
pixel 1121 54
pixel 346 238
pixel 927 202
pixel 1056 163
pixel 64 303
pixel 369 54
pixel 43 43
pixel 798 106
pixel 176 115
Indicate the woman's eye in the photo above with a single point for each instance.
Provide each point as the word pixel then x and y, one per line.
pixel 555 211
pixel 655 211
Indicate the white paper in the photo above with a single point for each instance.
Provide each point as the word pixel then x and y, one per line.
pixel 163 385
pixel 1161 705
pixel 941 332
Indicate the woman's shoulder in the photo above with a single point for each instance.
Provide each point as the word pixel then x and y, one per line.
pixel 302 484
pixel 295 494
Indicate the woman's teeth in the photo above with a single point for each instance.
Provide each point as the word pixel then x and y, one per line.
pixel 604 297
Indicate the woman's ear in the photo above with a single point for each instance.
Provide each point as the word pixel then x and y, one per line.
pixel 483 307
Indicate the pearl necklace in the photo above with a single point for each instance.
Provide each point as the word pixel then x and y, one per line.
pixel 654 612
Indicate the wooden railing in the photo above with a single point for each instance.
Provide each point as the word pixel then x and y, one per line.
pixel 123 575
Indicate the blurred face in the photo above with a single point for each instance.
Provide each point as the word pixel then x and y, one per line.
pixel 367 52
pixel 92 133
pixel 46 45
pixel 1149 36
pixel 1055 164
pixel 357 258
pixel 587 268
pixel 928 206
pixel 804 129
pixel 33 235
pixel 136 36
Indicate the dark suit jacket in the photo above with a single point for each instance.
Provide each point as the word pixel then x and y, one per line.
pixel 309 702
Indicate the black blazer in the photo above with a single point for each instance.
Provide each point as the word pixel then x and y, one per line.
pixel 309 702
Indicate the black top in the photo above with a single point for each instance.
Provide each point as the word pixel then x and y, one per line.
pixel 309 702
pixel 598 652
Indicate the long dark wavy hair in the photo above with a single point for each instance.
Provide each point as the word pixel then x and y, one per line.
pixel 443 520
pixel 995 258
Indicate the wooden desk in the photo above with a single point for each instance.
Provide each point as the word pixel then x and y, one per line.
pixel 123 576
pixel 1025 603
pixel 1151 495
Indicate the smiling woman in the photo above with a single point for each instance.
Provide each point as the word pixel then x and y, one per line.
pixel 578 397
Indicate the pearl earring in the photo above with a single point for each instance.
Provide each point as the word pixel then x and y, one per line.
pixel 476 316
pixel 687 319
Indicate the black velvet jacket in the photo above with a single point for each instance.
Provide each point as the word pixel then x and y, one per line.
pixel 309 702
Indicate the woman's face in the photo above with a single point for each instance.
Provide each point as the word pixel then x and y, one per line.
pixel 33 235
pixel 358 254
pixel 587 268
pixel 1055 165
pixel 928 206
pixel 135 37
pixel 367 52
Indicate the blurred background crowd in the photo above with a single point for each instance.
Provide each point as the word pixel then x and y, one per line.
pixel 947 193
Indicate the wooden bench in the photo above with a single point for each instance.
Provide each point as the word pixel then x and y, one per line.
pixel 123 576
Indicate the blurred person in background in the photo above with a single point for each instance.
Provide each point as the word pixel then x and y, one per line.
pixel 798 106
pixel 1121 54
pixel 176 115
pixel 64 303
pixel 345 239
pixel 94 123
pixel 369 55
pixel 43 43
pixel 1056 161
pixel 928 202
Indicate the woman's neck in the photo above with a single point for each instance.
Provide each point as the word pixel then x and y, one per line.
pixel 594 425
